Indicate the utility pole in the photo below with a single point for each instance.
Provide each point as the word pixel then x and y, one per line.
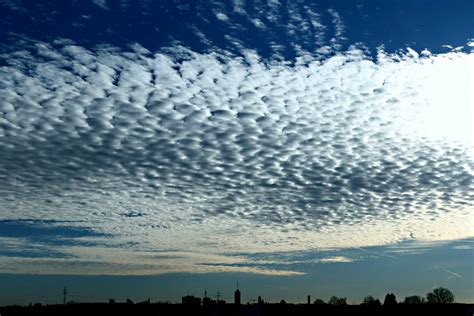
pixel 64 295
pixel 218 296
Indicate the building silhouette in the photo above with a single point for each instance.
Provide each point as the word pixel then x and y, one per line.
pixel 191 300
pixel 219 300
pixel 206 301
pixel 237 296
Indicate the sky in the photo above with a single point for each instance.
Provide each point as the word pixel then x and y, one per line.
pixel 159 148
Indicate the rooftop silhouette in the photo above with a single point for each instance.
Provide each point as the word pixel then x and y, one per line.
pixel 440 301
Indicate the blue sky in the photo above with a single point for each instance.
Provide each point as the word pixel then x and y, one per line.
pixel 303 147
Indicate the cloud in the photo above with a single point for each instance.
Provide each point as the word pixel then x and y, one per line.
pixel 115 261
pixel 453 274
pixel 14 5
pixel 291 29
pixel 101 4
pixel 222 16
pixel 14 247
pixel 226 153
pixel 463 247
pixel 336 260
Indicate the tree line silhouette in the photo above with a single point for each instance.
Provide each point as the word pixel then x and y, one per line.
pixel 439 295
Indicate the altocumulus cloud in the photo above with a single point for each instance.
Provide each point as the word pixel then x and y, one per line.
pixel 175 160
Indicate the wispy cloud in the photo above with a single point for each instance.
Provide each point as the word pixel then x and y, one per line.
pixel 337 259
pixel 453 274
pixel 101 4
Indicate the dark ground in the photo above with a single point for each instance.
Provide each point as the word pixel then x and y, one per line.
pixel 87 309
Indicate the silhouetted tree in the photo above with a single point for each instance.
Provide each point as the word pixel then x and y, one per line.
pixel 368 299
pixel 319 301
pixel 415 299
pixel 440 295
pixel 334 300
pixel 282 302
pixel 390 299
pixel 371 301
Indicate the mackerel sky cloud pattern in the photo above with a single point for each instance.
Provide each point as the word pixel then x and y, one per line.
pixel 175 160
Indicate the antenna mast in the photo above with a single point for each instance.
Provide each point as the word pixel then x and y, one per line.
pixel 64 295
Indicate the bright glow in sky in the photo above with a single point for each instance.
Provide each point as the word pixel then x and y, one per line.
pixel 449 103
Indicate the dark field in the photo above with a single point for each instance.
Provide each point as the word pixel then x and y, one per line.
pixel 230 309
